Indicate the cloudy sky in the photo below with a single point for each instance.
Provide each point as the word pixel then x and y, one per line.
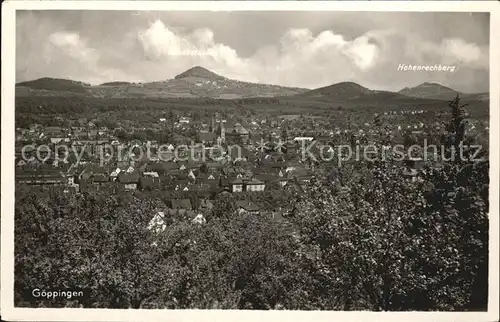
pixel 302 49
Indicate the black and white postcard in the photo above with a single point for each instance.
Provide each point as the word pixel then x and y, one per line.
pixel 242 161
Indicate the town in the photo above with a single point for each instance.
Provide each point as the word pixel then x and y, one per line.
pixel 255 154
pixel 284 160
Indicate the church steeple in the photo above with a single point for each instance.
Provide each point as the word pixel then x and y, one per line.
pixel 212 125
pixel 221 132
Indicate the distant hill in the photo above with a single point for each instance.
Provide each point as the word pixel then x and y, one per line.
pixel 115 83
pixel 478 96
pixel 437 91
pixel 431 91
pixel 343 90
pixel 199 82
pixel 196 82
pixel 55 84
pixel 200 72
pixel 350 92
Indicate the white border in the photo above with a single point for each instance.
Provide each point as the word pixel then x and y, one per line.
pixel 10 313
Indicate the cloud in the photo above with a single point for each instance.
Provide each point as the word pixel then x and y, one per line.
pixel 459 51
pixel 80 61
pixel 301 44
pixel 301 58
pixel 363 53
pixel 297 51
pixel 71 45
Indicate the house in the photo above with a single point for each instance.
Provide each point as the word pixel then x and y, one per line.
pixel 158 223
pixel 237 185
pixel 245 206
pixel 255 185
pixel 282 181
pixel 214 153
pixel 41 176
pixel 210 179
pixel 58 140
pixel 149 183
pixel 160 168
pixel 191 175
pixel 53 131
pixel 237 134
pixel 71 177
pixel 107 187
pixel 129 169
pixel 199 219
pixel 184 120
pixel 237 153
pixel 207 137
pixel 100 178
pixel 303 139
pixel 93 169
pixel 129 180
pixel 153 174
pixel 180 184
pixel 114 174
pixel 303 175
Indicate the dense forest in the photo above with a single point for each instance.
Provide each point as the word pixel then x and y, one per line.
pixel 46 109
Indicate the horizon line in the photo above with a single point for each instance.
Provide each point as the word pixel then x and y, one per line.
pixel 431 82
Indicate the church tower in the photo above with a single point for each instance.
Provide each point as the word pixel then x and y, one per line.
pixel 221 132
pixel 212 125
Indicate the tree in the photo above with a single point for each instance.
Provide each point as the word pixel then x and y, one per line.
pixel 91 242
pixel 384 243
pixel 458 206
pixel 456 127
pixel 253 261
pixel 224 206
pixel 357 231
pixel 204 168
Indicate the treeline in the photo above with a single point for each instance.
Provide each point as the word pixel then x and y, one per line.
pixel 43 109
pixel 81 104
pixel 55 84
